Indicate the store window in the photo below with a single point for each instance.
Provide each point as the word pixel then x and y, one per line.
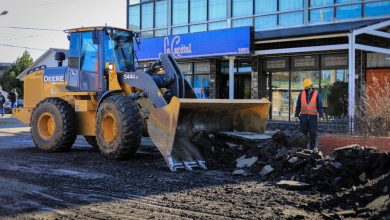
pixel 334 84
pixel 147 16
pixel 280 95
pixel 161 18
pixel 377 8
pixel 201 80
pixel 198 76
pixel 198 11
pixel 179 12
pixel 134 17
pixel 266 6
pixel 217 10
pixel 242 8
pixel 186 69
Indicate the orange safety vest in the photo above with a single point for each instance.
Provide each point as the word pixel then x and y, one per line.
pixel 311 107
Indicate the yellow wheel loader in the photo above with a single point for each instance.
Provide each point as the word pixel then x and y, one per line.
pixel 104 97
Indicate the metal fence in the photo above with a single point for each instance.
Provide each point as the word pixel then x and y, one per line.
pixel 339 125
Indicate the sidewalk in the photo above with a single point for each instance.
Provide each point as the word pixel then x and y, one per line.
pixel 329 142
pixel 10 126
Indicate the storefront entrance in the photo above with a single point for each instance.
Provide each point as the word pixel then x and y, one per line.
pixel 242 80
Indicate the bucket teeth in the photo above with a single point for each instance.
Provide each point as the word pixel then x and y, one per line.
pixel 187 166
pixel 170 163
pixel 202 164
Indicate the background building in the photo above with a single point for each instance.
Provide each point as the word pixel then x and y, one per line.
pixel 290 40
pixel 46 59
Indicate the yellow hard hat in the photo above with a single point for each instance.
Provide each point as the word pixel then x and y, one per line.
pixel 307 83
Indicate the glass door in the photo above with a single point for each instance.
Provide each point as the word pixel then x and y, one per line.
pixel 242 80
pixel 279 95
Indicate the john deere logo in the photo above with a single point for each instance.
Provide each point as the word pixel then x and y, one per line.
pixel 174 47
pixel 53 78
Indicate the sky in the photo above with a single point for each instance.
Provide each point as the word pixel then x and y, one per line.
pixel 56 15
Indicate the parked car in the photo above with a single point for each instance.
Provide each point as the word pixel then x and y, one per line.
pixel 8 107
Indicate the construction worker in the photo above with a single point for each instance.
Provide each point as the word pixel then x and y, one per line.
pixel 309 107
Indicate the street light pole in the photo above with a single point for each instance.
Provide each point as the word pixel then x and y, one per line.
pixel 4 13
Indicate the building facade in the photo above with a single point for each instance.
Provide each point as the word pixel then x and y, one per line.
pixel 290 40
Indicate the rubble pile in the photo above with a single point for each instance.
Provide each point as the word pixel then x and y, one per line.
pixel 283 156
pixel 370 200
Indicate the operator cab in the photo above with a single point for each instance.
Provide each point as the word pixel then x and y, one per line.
pixel 92 50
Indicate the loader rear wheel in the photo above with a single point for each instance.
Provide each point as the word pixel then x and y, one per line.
pixel 53 125
pixel 118 127
pixel 91 140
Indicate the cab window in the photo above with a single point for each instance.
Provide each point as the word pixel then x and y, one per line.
pixel 89 53
pixel 74 50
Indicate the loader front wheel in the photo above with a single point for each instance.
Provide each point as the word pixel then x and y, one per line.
pixel 118 127
pixel 53 125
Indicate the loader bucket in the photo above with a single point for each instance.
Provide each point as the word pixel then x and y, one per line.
pixel 171 127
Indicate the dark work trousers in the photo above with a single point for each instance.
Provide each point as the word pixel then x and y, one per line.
pixel 308 125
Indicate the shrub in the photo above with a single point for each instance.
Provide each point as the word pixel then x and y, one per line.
pixel 373 109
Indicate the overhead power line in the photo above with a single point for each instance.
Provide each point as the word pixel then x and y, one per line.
pixel 52 3
pixel 29 28
pixel 15 46
pixel 18 38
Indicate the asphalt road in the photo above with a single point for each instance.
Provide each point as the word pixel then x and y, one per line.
pixel 81 184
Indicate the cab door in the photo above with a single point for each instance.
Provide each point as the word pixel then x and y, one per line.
pixel 89 63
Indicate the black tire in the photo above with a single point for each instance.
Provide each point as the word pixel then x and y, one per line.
pixel 64 133
pixel 123 126
pixel 92 141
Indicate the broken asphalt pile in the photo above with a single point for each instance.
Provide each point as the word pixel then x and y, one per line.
pixel 367 201
pixel 283 156
pixel 358 176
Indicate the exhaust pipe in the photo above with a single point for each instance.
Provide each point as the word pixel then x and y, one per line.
pixel 59 57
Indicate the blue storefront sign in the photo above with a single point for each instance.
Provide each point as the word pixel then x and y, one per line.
pixel 234 41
